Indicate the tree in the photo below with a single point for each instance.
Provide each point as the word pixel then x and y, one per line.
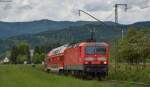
pixel 38 58
pixel 20 53
pixel 13 55
pixel 21 59
pixel 134 48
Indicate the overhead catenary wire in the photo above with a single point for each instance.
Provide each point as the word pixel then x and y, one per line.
pixel 98 20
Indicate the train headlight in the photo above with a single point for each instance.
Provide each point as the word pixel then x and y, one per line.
pixel 105 62
pixel 102 59
pixel 89 59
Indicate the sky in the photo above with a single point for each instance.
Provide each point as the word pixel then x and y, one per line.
pixel 67 10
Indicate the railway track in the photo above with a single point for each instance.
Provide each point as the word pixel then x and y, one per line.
pixel 134 83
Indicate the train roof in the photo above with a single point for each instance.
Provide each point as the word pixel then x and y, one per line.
pixel 91 43
pixel 58 50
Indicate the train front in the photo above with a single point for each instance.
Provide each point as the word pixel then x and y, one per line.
pixel 95 58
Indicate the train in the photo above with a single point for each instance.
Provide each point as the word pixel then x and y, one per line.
pixel 80 59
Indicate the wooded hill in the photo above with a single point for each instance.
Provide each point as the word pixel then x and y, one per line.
pixel 70 34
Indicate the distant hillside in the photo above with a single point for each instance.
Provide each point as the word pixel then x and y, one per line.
pixel 8 29
pixel 78 33
pixel 108 32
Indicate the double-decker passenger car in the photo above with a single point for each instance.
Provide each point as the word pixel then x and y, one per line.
pixel 85 58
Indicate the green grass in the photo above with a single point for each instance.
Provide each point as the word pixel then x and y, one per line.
pixel 131 73
pixel 27 76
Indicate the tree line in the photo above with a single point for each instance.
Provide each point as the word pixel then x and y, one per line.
pixel 134 48
pixel 20 53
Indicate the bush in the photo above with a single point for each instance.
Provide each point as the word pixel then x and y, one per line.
pixel 38 58
pixel 127 72
pixel 21 59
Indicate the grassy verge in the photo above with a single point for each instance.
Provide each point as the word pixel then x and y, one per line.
pixel 125 72
pixel 27 76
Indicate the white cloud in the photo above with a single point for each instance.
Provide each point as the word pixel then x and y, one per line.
pixel 103 5
pixel 136 3
pixel 61 10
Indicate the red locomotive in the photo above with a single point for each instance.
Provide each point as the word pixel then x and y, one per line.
pixel 85 58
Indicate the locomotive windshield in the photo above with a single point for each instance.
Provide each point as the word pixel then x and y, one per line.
pixel 95 50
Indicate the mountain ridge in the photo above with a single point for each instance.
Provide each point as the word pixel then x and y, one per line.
pixel 8 29
pixel 109 31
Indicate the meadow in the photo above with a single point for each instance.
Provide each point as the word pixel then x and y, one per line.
pixel 27 76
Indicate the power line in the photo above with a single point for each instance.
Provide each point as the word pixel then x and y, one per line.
pixel 92 17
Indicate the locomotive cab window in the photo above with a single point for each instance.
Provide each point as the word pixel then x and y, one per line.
pixel 95 50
